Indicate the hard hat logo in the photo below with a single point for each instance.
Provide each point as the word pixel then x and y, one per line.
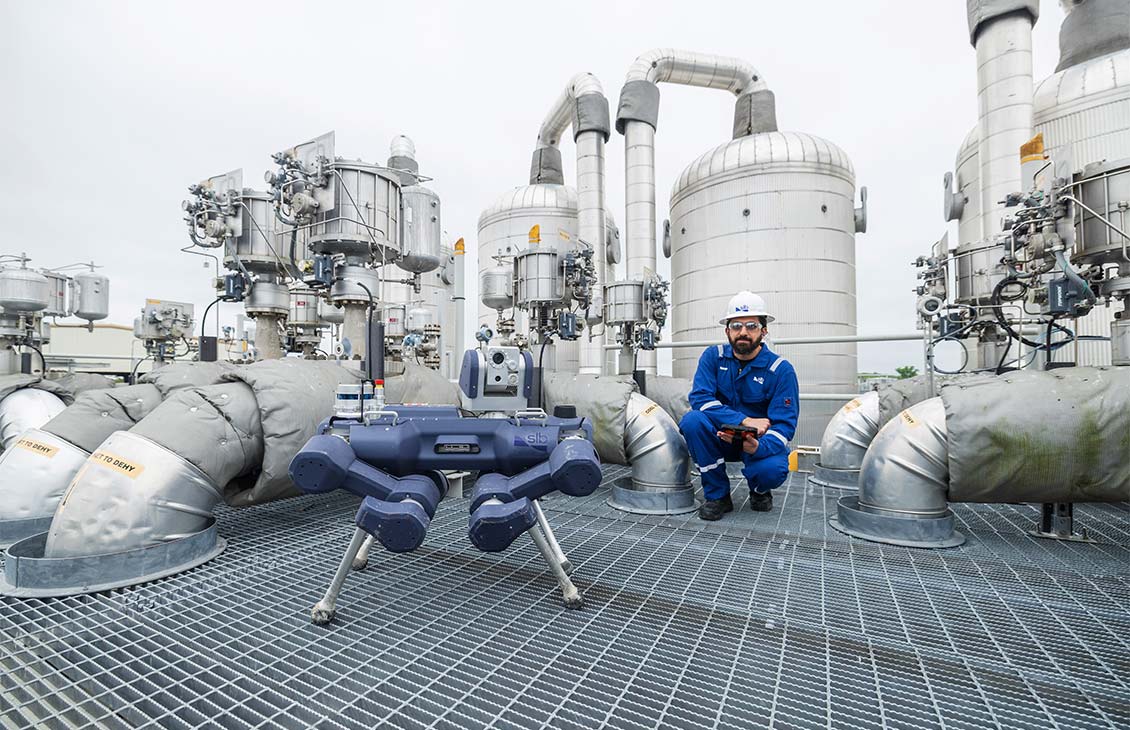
pixel 746 304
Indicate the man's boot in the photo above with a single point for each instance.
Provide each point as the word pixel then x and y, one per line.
pixel 713 509
pixel 761 501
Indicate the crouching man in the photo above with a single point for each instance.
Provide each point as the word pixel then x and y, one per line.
pixel 742 383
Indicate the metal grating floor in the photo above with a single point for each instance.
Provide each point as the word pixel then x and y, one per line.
pixel 760 620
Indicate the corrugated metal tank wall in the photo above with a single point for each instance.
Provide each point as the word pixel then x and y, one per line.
pixel 1083 112
pixel 773 213
pixel 504 229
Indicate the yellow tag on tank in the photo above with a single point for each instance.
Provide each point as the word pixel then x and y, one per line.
pixel 852 405
pixel 535 235
pixel 650 409
pixel 910 420
pixel 117 463
pixel 37 447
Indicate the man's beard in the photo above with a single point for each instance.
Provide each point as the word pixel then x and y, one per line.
pixel 744 344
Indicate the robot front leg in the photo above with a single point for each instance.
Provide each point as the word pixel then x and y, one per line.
pixel 569 593
pixel 558 553
pixel 323 611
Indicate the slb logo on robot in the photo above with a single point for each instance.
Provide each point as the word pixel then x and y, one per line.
pixel 534 439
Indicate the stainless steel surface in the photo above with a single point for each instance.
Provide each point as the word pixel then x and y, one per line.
pixel 92 296
pixel 25 409
pixel 365 215
pixel 773 213
pixel 303 308
pixel 263 245
pixel 267 297
pixel 560 115
pixel 850 433
pixel 57 285
pixel 1004 102
pixel 761 620
pixel 422 230
pixel 1120 342
pixel 639 213
pixel 905 470
pixel 1103 188
pixel 623 304
pixel 657 453
pixel 23 290
pixel 352 284
pixel 130 493
pixel 419 318
pixel 36 473
pixel 396 319
pixel 496 287
pixel 330 314
pixel 539 278
pixel 592 229
pixel 690 68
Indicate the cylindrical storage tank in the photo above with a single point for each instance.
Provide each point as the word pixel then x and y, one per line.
pixel 504 230
pixel 773 213
pixel 496 287
pixel 623 303
pixel 24 290
pixel 365 216
pixel 303 308
pixel 92 296
pixel 267 297
pixel 260 246
pixel 1104 187
pixel 356 284
pixel 421 230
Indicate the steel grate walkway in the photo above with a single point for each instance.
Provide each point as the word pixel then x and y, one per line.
pixel 761 620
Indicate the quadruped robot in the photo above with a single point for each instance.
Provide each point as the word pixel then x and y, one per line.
pixel 395 456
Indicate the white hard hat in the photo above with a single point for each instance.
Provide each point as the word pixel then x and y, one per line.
pixel 746 304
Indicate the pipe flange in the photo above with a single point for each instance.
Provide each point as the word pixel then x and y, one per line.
pixel 828 478
pixel 920 531
pixel 27 573
pixel 641 499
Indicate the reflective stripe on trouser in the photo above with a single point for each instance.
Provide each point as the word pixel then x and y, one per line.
pixel 710 454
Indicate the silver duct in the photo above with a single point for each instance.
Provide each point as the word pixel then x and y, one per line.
pixel 39 465
pixel 661 463
pixel 1001 32
pixel 582 106
pixel 130 493
pixel 637 118
pixel 25 409
pixel 906 469
pixel 845 442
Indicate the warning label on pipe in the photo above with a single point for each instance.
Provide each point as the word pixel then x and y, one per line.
pixel 38 447
pixel 117 463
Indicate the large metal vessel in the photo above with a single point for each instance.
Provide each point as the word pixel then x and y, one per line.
pixel 366 212
pixel 259 245
pixel 773 213
pixel 504 231
pixel 422 231
pixel 1083 111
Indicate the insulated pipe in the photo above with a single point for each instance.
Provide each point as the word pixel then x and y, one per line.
pixel 26 409
pixel 583 106
pixel 850 433
pixel 637 118
pixel 906 469
pixel 268 342
pixel 655 448
pixel 1001 33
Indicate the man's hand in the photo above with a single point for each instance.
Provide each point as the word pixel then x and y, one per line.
pixel 749 443
pixel 761 424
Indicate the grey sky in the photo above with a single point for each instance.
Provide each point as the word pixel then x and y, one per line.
pixel 108 110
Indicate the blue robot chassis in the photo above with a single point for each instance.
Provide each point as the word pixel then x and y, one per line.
pixel 395 458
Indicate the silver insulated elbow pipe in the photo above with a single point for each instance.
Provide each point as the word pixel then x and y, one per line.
pixel 661 464
pixel 845 442
pixel 637 119
pixel 903 483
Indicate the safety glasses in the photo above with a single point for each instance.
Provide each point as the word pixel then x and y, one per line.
pixel 739 326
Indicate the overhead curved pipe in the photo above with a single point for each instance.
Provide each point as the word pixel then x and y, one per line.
pixel 845 442
pixel 637 119
pixel 582 106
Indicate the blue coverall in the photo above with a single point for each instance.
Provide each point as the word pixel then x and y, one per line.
pixel 724 393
